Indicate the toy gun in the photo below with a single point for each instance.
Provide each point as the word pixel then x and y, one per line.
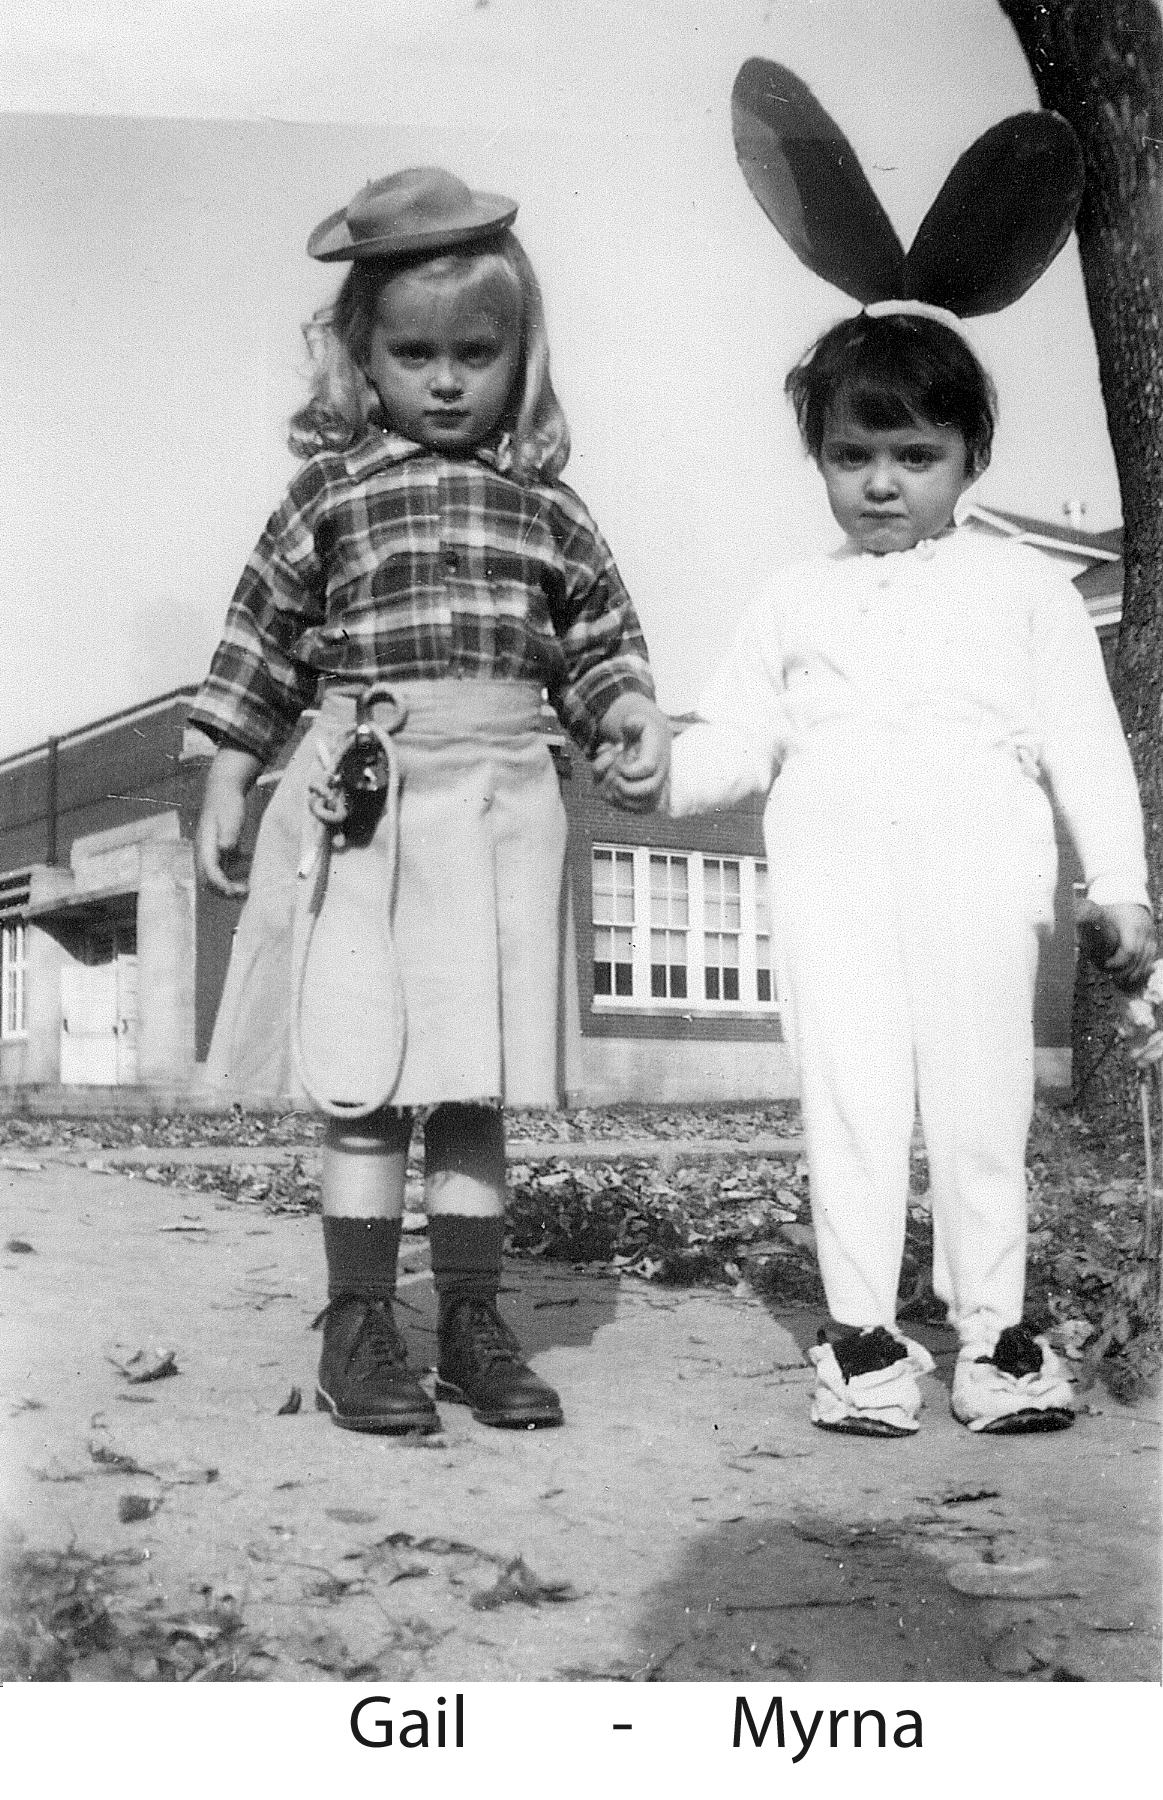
pixel 361 778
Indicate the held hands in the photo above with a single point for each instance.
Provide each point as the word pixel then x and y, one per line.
pixel 231 777
pixel 632 761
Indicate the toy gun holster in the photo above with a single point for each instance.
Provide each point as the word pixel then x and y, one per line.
pixel 362 778
pixel 348 1013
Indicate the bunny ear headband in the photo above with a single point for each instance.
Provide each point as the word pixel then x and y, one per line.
pixel 997 224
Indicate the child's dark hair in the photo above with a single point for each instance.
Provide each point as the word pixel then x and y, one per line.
pixel 891 371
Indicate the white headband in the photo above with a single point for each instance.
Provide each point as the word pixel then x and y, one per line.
pixel 919 309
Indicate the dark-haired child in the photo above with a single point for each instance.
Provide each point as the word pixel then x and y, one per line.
pixel 902 699
pixel 429 575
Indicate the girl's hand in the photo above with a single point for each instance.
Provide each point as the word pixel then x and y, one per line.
pixel 638 735
pixel 1131 932
pixel 231 776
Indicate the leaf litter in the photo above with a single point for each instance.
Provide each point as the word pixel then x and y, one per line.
pixel 66 1616
pixel 734 1221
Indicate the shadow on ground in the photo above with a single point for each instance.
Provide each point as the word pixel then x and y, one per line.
pixel 810 1600
pixel 547 1305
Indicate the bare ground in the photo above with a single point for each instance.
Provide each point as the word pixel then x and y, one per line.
pixel 687 1523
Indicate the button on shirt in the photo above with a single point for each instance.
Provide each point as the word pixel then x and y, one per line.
pixel 387 560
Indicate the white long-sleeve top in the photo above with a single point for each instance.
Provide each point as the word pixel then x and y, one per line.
pixel 964 631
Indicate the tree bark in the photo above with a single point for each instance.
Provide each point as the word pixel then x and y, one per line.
pixel 1099 63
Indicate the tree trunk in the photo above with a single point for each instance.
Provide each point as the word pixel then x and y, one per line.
pixel 1099 63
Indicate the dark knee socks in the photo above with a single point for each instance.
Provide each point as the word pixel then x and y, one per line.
pixel 361 1257
pixel 466 1257
pixel 466 1248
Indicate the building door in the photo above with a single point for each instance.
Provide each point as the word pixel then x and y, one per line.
pixel 99 1023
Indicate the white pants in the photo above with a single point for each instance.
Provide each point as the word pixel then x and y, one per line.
pixel 910 878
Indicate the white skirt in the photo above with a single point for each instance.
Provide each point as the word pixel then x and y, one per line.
pixel 479 918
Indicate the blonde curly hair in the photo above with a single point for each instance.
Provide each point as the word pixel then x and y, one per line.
pixel 534 443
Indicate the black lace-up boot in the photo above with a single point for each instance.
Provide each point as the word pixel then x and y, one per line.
pixel 364 1379
pixel 481 1364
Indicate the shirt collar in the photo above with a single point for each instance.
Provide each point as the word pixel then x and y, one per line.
pixel 384 449
pixel 923 551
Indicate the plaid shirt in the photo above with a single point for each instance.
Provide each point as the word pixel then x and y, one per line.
pixel 386 561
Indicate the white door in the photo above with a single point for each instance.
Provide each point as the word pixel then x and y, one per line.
pixel 126 967
pixel 99 1022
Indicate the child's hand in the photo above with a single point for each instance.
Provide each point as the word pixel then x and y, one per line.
pixel 1130 930
pixel 633 759
pixel 231 776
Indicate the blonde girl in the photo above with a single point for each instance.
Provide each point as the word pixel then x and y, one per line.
pixel 426 579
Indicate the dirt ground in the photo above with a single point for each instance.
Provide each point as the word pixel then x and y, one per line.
pixel 686 1524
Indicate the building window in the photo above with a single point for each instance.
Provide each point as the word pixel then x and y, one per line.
pixel 721 929
pixel 708 946
pixel 13 1022
pixel 764 982
pixel 613 891
pixel 669 918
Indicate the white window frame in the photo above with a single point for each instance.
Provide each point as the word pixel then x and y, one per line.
pixel 13 966
pixel 640 999
pixel 616 852
pixel 753 937
pixel 670 928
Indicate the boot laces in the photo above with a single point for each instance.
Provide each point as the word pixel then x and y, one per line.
pixel 377 1343
pixel 489 1337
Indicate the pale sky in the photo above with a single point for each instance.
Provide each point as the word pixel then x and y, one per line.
pixel 161 167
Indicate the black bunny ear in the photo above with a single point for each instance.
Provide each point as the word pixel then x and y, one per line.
pixel 1001 217
pixel 806 176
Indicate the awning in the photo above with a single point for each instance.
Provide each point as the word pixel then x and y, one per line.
pixel 84 902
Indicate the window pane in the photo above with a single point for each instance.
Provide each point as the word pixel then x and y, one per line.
pixel 602 978
pixel 678 981
pixel 712 984
pixel 623 979
pixel 730 984
pixel 658 981
pixel 763 983
pixel 762 901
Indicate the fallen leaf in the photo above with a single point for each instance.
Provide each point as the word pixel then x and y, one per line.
pixel 115 1462
pixel 132 1508
pixel 517 1582
pixel 18 1247
pixel 147 1365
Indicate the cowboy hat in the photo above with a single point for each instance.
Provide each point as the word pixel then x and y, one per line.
pixel 417 209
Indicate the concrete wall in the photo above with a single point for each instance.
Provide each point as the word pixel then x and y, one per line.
pixel 165 962
pixel 671 1073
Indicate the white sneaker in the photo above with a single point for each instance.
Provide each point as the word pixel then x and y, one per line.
pixel 1017 1386
pixel 867 1385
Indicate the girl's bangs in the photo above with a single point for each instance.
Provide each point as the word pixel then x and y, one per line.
pixel 881 406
